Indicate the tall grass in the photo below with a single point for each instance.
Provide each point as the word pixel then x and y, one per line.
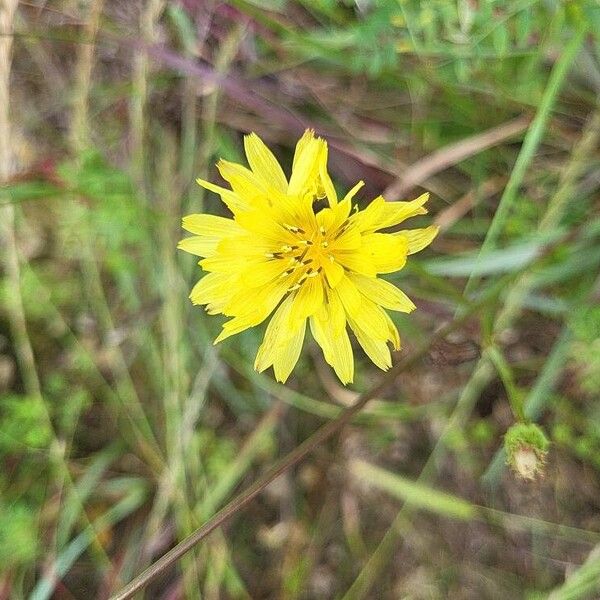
pixel 124 432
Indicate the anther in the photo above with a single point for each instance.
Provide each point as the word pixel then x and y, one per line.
pixel 341 231
pixel 322 230
pixel 294 287
pixel 313 274
pixel 293 228
pixel 306 276
pixel 324 244
pixel 286 273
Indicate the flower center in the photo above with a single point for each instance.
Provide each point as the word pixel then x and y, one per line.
pixel 303 257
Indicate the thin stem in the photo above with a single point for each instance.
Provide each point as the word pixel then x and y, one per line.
pixel 530 144
pixel 515 398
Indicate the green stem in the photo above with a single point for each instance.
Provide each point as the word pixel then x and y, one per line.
pixel 530 144
pixel 514 395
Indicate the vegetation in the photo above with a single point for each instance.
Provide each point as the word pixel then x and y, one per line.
pixel 123 429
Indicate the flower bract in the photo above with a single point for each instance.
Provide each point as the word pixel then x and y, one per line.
pixel 295 252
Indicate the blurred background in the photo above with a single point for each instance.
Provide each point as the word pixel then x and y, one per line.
pixel 122 429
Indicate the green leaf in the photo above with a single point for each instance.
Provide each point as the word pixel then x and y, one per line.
pixel 415 494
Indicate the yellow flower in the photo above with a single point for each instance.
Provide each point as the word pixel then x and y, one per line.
pixel 281 253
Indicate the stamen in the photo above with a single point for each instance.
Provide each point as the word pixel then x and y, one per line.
pixel 322 230
pixel 286 249
pixel 314 273
pixel 306 276
pixel 342 230
pixel 293 228
pixel 286 273
pixel 324 244
pixel 294 287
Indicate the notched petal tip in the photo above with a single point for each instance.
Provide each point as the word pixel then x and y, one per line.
pixel 222 336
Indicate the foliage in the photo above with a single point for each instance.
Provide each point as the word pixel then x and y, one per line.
pixel 141 430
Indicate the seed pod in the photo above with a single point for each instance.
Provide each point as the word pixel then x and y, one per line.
pixel 526 448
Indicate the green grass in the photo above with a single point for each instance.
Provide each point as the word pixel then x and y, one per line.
pixel 123 429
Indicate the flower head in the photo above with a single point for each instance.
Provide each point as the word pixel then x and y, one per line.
pixel 280 254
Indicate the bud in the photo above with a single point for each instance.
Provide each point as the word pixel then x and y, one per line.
pixel 526 448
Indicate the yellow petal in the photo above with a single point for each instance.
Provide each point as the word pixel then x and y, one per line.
pixel 332 311
pixel 264 165
pixel 252 309
pixel 394 213
pixel 348 294
pixel 326 179
pixel 243 181
pixel 387 252
pixel 305 168
pixel 307 299
pixel 320 331
pixel 247 244
pixel 237 325
pixel 348 197
pixel 225 263
pixel 342 359
pixel 350 239
pixel 210 225
pixel 370 318
pixel 376 349
pixel 277 333
pixel 333 271
pixel 367 219
pixel 394 336
pixel 262 273
pixel 418 238
pixel 331 219
pixel 199 245
pixel 288 354
pixel 308 137
pixel 259 223
pixel 383 293
pixel 359 261
pixel 336 313
pixel 233 202
pixel 214 287
pixel 337 349
pixel 259 301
